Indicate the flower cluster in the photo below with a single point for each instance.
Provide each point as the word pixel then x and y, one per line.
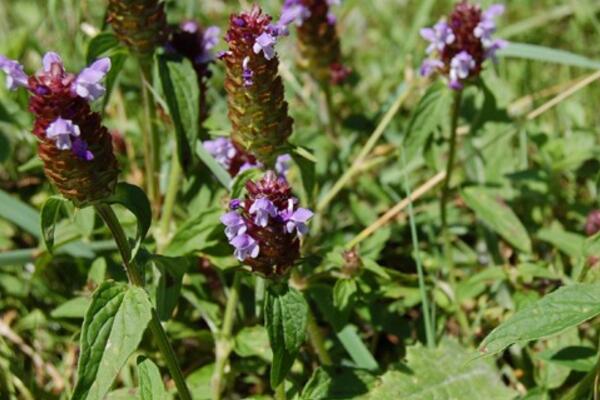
pixel 257 108
pixel 74 146
pixel 318 41
pixel 140 24
pixel 459 46
pixel 235 160
pixel 196 44
pixel 266 226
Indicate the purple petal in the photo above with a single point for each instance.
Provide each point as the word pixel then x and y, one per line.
pixel 61 131
pixel 51 58
pixel 15 76
pixel 87 84
pixel 80 149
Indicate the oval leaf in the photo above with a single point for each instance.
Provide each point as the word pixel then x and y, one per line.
pixel 49 215
pixel 498 216
pixel 135 200
pixel 565 308
pixel 112 330
pixel 151 384
pixel 180 87
pixel 286 314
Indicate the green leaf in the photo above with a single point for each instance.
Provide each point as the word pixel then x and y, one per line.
pixel 253 341
pixel 547 54
pixel 169 285
pixel 577 358
pixel 570 243
pixel 220 173
pixel 151 384
pixel 431 112
pixel 134 199
pixel 441 373
pixel 19 213
pixel 180 87
pixel 307 165
pixel 344 296
pixel 112 330
pixel 286 314
pixel 101 44
pixel 74 308
pixel 564 308
pixel 48 217
pixel 498 216
pixel 240 180
pixel 337 383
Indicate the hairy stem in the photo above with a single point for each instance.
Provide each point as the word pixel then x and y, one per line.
pixel 110 219
pixel 223 342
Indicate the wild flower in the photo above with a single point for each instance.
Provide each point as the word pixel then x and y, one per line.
pixel 265 227
pixel 76 149
pixel 257 109
pixel 235 160
pixel 460 45
pixel 318 41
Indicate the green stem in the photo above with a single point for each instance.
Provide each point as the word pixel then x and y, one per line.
pixel 150 137
pixel 317 340
pixel 429 322
pixel 110 219
pixel 170 197
pixel 455 112
pixel 280 392
pixel 329 109
pixel 223 342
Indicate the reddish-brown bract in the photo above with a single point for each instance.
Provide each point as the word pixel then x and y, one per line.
pixel 463 21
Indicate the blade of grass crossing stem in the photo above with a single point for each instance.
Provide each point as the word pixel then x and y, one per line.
pixel 547 54
pixel 429 323
pixel 214 167
pixel 354 345
pixel 403 92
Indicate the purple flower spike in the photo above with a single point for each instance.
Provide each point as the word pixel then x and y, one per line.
pixel 80 149
pixel 263 209
pixel 50 59
pixel 265 42
pixel 234 224
pixel 87 84
pixel 245 247
pixel 438 36
pixel 221 149
pixel 209 41
pixel 460 67
pixel 61 131
pixel 15 77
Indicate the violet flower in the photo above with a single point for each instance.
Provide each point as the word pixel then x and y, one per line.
pixel 265 42
pixel 15 76
pixel 87 84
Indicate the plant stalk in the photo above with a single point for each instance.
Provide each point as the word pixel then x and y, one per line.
pixel 108 215
pixel 317 340
pixel 280 392
pixel 150 136
pixel 223 342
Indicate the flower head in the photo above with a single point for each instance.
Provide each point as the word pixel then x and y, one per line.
pixel 266 226
pixel 459 46
pixel 257 108
pixel 15 76
pixel 592 224
pixel 74 146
